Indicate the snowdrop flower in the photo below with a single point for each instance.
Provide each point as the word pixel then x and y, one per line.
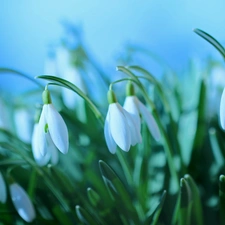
pixel 3 193
pixel 120 127
pixel 135 107
pixel 51 149
pixel 22 202
pixel 53 124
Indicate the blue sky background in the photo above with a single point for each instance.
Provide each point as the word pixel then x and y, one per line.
pixel 164 27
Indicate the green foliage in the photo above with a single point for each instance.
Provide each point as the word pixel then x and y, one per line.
pixel 178 180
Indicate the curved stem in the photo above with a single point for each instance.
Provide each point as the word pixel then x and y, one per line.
pixel 66 84
pixel 16 72
pixel 120 80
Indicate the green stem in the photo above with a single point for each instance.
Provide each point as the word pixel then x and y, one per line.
pixel 125 167
pixel 7 70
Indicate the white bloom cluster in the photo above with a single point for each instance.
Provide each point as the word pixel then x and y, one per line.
pixel 123 124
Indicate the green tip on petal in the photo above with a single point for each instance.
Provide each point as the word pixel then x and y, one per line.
pixel 130 89
pixel 111 97
pixel 46 97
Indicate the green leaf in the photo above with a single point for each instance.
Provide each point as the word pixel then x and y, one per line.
pixel 211 40
pixel 196 213
pixel 185 202
pixel 201 128
pixel 216 147
pixel 93 197
pixel 62 217
pixel 118 192
pixel 85 217
pixel 153 219
pixel 18 73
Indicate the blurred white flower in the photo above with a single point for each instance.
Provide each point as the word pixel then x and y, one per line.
pixel 50 66
pixel 22 202
pixel 3 192
pixel 51 150
pixel 4 116
pixel 216 83
pixel 135 107
pixel 63 59
pixel 63 67
pixel 23 122
pixel 51 122
pixel 70 98
pixel 222 110
pixel 120 128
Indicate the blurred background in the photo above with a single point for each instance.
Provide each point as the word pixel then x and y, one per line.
pixel 28 28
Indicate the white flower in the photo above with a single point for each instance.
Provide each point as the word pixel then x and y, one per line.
pixel 222 110
pixel 120 129
pixel 51 150
pixel 22 202
pixel 3 193
pixel 23 124
pixel 52 122
pixel 136 107
pixel 71 99
pixel 5 120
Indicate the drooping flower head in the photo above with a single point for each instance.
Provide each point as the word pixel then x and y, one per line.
pixel 51 150
pixel 52 123
pixel 22 202
pixel 136 108
pixel 120 127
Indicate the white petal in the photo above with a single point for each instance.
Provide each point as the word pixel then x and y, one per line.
pixel 22 202
pixel 119 127
pixel 131 106
pixel 40 140
pixel 134 128
pixel 108 137
pixel 40 159
pixel 53 151
pixel 3 193
pixel 62 59
pixel 152 125
pixel 222 110
pixel 57 129
pixel 23 123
